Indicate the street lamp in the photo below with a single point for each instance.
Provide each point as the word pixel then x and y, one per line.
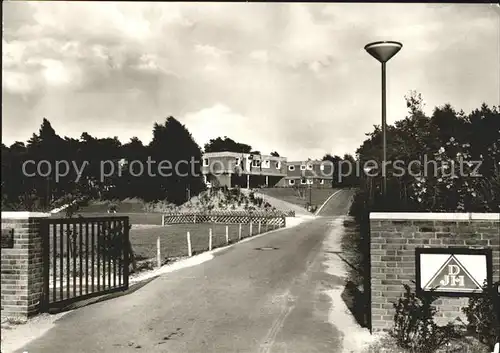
pixel 310 195
pixel 383 52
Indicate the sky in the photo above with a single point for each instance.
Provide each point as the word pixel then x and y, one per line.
pixel 286 77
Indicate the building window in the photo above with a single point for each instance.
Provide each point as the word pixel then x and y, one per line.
pixel 303 167
pixel 309 167
pixel 322 167
pixel 303 181
pixel 309 181
pixel 266 164
pixel 321 181
pixel 256 163
pixel 278 165
pixel 238 162
pixel 205 162
pixel 291 167
pixel 291 182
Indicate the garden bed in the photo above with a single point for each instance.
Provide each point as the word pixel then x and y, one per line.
pixel 293 196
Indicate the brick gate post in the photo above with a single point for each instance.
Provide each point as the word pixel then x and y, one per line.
pixel 21 264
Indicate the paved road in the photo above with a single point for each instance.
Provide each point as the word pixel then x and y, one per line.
pixel 243 300
pixel 339 204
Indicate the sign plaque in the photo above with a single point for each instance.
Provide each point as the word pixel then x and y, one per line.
pixel 453 271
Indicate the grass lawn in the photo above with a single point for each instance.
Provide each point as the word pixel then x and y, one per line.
pixel 129 206
pixel 291 195
pixel 173 239
pixel 134 217
pixel 146 228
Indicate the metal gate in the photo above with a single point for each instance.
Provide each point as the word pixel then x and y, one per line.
pixel 83 258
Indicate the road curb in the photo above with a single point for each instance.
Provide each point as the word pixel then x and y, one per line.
pixel 328 199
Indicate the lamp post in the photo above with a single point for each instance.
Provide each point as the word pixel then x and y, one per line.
pixel 368 181
pixel 383 52
pixel 310 195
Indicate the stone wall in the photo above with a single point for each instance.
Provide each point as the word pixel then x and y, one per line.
pixel 22 267
pixel 393 240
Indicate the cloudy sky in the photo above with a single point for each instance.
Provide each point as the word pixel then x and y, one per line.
pixel 289 77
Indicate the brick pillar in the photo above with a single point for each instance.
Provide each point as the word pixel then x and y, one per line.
pixel 393 240
pixel 22 266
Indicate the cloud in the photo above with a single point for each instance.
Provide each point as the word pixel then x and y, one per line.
pixel 57 74
pixel 149 63
pixel 260 55
pixel 17 82
pixel 215 121
pixel 211 51
pixel 306 40
pixel 279 76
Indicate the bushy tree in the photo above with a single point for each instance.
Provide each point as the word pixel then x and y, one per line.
pixel 446 139
pixel 172 141
pixel 226 144
pixel 343 175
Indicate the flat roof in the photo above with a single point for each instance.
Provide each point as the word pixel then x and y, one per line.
pixel 237 155
pixel 309 177
pixel 315 161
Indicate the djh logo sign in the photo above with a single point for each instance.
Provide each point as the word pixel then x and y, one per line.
pixel 453 276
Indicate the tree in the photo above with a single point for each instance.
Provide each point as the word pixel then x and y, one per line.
pixel 275 154
pixel 129 185
pixel 49 147
pixel 226 145
pixel 447 138
pixel 174 143
pixel 344 170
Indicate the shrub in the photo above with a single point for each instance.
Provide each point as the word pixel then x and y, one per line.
pixel 483 318
pixel 112 207
pixel 414 326
pixel 75 206
pixel 387 344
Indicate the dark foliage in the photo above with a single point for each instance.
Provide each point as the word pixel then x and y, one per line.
pixel 446 137
pixel 101 168
pixel 483 316
pixel 343 176
pixel 414 326
pixel 226 144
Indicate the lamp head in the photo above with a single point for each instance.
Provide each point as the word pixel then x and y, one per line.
pixel 383 51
